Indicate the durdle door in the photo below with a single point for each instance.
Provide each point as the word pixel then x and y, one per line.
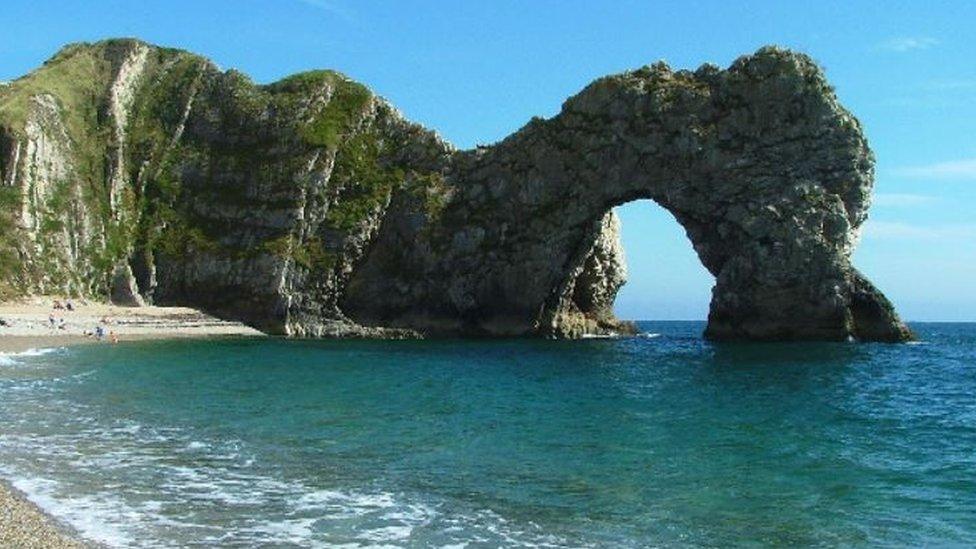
pixel 310 207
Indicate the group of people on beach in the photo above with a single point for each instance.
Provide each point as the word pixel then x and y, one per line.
pixel 98 332
pixel 68 305
pixel 56 320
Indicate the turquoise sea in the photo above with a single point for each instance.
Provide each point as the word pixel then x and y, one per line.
pixel 659 440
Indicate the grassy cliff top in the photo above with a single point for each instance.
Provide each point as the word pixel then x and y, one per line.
pixel 80 74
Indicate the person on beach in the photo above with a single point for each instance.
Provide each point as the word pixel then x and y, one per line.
pixel 113 337
pixel 99 332
pixel 5 323
pixel 69 305
pixel 51 319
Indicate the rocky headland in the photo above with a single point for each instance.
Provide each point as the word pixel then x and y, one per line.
pixel 311 207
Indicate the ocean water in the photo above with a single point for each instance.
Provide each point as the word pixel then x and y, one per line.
pixel 660 440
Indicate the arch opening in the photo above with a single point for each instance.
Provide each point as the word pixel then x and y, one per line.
pixel 665 278
pixel 635 261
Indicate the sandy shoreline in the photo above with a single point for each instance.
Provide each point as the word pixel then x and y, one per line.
pixel 33 323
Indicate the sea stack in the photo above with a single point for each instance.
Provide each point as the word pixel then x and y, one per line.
pixel 311 207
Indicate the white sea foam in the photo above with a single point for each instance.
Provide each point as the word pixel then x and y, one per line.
pixel 40 352
pixel 297 531
pixel 272 512
pixel 10 359
pixel 84 513
pixel 649 335
pixel 33 352
pixel 183 489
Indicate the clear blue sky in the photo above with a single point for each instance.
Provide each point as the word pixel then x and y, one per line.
pixel 476 71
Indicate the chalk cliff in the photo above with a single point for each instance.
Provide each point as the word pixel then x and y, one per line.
pixel 311 207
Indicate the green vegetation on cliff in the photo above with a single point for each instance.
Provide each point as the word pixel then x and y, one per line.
pixel 343 113
pixel 207 174
pixel 367 184
pixel 77 237
pixel 77 76
pixel 9 257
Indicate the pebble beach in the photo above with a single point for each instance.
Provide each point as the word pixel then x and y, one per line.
pixel 24 526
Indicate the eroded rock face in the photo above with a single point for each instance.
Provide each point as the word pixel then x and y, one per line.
pixel 124 289
pixel 309 207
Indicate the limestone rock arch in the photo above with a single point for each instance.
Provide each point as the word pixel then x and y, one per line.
pixel 769 176
pixel 311 207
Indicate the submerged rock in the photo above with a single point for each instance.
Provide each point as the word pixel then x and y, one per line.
pixel 310 207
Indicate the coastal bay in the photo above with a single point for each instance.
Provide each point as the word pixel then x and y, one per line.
pixel 370 274
pixel 665 439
